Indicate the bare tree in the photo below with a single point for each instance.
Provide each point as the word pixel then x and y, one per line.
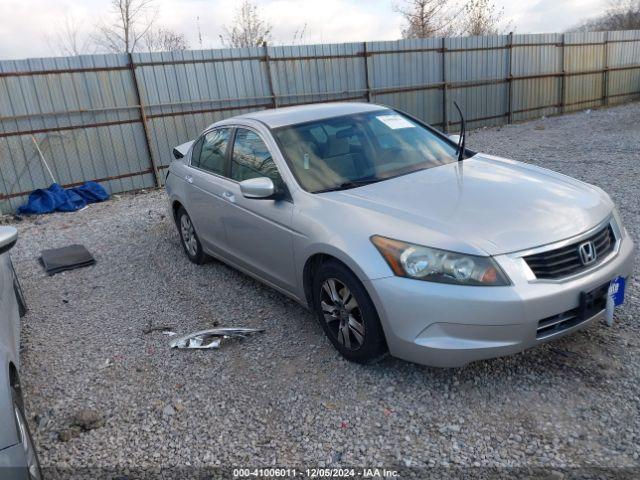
pixel 132 21
pixel 199 33
pixel 621 15
pixel 247 29
pixel 299 35
pixel 481 17
pixel 69 39
pixel 427 18
pixel 165 40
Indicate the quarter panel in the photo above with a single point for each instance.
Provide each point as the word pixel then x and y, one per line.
pixel 8 432
pixel 9 315
pixel 9 347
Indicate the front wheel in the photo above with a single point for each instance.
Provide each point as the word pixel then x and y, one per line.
pixel 189 238
pixel 347 314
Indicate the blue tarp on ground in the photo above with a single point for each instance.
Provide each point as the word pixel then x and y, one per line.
pixel 56 198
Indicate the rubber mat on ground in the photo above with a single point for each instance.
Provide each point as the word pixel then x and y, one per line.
pixel 66 258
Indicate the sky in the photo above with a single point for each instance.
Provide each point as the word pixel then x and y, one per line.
pixel 29 27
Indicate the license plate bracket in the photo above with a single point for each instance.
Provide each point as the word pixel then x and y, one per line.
pixel 593 301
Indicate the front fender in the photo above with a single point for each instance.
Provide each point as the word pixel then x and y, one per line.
pixel 326 249
pixel 356 251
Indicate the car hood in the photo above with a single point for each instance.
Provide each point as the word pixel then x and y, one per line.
pixel 490 204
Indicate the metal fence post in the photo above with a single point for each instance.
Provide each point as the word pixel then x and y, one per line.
pixel 143 118
pixel 510 78
pixel 267 61
pixel 366 71
pixel 445 118
pixel 562 84
pixel 605 72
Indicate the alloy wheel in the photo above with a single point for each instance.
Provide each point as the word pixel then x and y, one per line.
pixel 342 313
pixel 188 235
pixel 29 449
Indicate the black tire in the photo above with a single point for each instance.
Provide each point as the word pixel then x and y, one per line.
pixel 371 346
pixel 31 455
pixel 190 241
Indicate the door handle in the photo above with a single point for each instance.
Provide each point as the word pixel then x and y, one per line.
pixel 229 196
pixel 188 178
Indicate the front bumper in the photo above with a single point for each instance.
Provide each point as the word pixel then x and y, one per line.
pixel 449 325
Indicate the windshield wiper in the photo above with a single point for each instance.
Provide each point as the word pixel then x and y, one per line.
pixel 350 184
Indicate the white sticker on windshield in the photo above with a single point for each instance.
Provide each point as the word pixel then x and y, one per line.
pixel 395 122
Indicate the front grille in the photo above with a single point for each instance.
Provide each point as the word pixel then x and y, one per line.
pixel 589 307
pixel 566 261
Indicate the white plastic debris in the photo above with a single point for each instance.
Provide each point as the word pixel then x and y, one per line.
pixel 212 338
pixel 105 364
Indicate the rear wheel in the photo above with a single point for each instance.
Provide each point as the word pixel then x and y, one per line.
pixel 347 314
pixel 189 237
pixel 30 454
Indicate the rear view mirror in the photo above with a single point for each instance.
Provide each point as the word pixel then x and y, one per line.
pixel 258 188
pixel 455 138
pixel 8 238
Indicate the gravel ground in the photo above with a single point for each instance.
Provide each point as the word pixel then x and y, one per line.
pixel 285 397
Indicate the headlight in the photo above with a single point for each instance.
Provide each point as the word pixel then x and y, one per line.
pixel 618 221
pixel 434 265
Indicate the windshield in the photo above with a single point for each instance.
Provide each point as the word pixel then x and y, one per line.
pixel 352 150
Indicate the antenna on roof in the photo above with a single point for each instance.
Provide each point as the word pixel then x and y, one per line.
pixel 463 134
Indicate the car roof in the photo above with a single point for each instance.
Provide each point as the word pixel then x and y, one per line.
pixel 279 117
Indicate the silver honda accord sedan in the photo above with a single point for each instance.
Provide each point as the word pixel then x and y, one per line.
pixel 398 237
pixel 18 458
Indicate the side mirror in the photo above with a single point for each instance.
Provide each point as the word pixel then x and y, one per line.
pixel 455 138
pixel 181 150
pixel 8 238
pixel 258 188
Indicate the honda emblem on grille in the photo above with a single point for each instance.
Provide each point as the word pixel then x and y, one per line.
pixel 588 253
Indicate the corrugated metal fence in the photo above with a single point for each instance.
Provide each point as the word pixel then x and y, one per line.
pixel 115 118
